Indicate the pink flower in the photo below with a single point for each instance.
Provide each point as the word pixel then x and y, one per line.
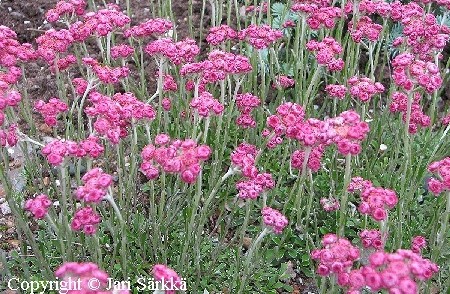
pixel 336 91
pixel 51 110
pixel 378 201
pixel 435 186
pixel 85 273
pixel 363 88
pixel 99 23
pixel 168 277
pixel 371 239
pixel 121 51
pixel 220 34
pixel 336 257
pixel 260 37
pixel 176 156
pixel 418 243
pixel 441 183
pixel 325 52
pixel 329 204
pixel 274 219
pixel 283 82
pixel 157 26
pixel 95 188
pixel 206 104
pixel 179 52
pixel 365 28
pixel 38 206
pixel 86 220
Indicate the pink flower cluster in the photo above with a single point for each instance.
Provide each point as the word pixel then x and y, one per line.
pixel 64 63
pixel 217 66
pixel 345 130
pixel 106 74
pixel 57 150
pixel 66 8
pixel 52 43
pixel 283 82
pixel 314 159
pixel 245 104
pixel 166 104
pixel 364 88
pixel 11 76
pixel 254 186
pixel 38 206
pixel 157 26
pixel 95 188
pixel 336 91
pixel 256 9
pixel 422 33
pixel 309 6
pixel 441 169
pixel 418 243
pixel 289 24
pixel 397 272
pixel 115 114
pixel 8 137
pixel 50 110
pixel 330 204
pixel 446 120
pixel 220 34
pixel 323 17
pixel 418 118
pixel 325 52
pixel 169 83
pixel 373 6
pixel 376 202
pixel 86 220
pixel 176 52
pixel 80 85
pixel 336 257
pixel 177 156
pixel 358 184
pixel 319 13
pixel 86 272
pixel 11 51
pixel 243 159
pixel 206 104
pixel 274 219
pixel 371 239
pixel 409 71
pixel 122 51
pixel 350 131
pixel 9 98
pixel 285 122
pixel 229 63
pixel 168 276
pixel 99 23
pixel 260 37
pixel 365 28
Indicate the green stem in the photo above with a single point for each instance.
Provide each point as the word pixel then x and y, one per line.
pixel 344 199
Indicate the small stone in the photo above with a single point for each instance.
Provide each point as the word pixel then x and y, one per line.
pixel 14 243
pixel 247 242
pixel 17 15
pixel 4 207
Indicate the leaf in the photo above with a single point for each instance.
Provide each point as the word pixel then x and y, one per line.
pixel 440 20
pixel 278 9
